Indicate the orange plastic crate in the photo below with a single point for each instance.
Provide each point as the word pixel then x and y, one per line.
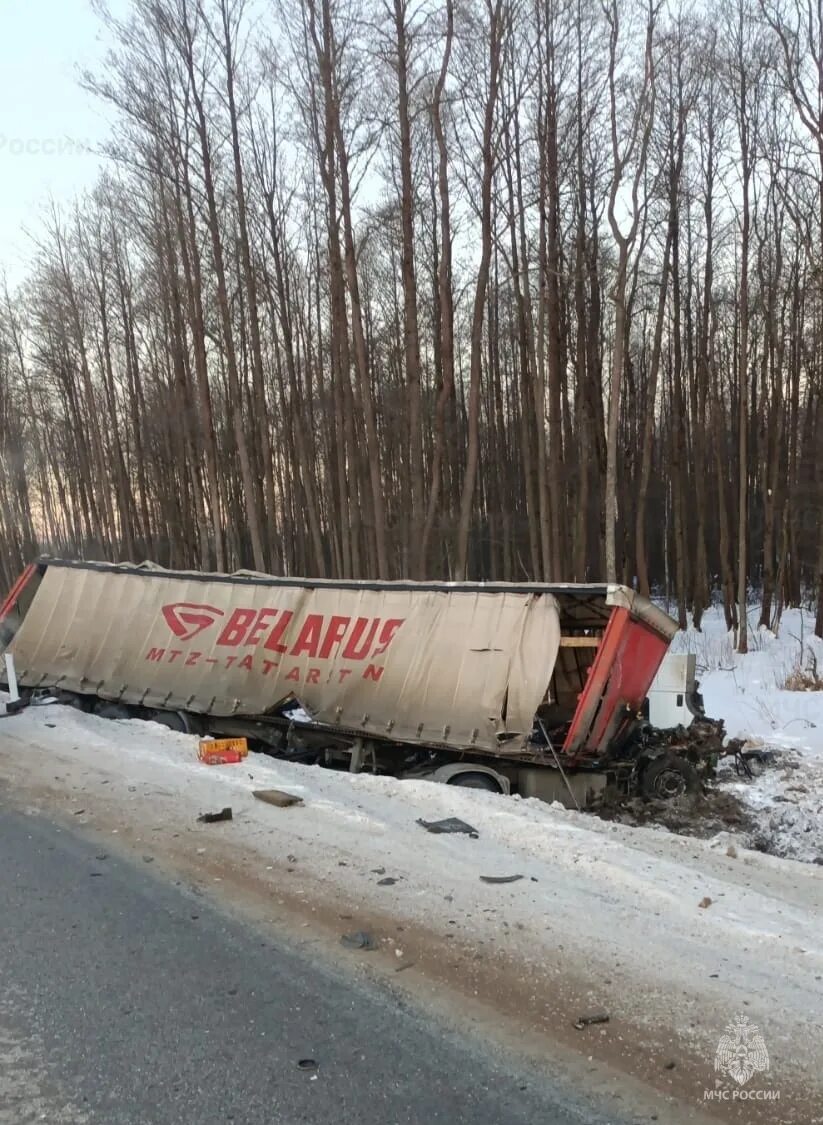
pixel 222 751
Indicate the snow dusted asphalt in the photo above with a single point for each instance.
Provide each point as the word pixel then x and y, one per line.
pixel 617 906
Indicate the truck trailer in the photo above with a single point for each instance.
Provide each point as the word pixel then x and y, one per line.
pixel 536 688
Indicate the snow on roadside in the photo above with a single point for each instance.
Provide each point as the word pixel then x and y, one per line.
pixel 785 797
pixel 592 894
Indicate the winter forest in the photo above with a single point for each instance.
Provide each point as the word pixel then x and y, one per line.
pixel 485 289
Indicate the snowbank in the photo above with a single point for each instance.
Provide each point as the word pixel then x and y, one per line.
pixel 785 798
pixel 669 931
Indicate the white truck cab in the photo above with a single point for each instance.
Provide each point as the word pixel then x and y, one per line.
pixel 673 698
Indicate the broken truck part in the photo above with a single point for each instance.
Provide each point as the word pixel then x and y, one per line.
pixel 533 688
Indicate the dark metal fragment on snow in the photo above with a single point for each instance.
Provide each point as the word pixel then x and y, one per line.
pixel 359 940
pixel 215 817
pixel 449 825
pixel 595 1017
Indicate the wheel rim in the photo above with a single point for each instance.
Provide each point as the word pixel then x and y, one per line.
pixel 669 783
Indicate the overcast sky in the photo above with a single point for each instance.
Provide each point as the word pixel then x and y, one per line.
pixel 46 120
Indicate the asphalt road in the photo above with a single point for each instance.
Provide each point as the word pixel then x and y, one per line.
pixel 125 1000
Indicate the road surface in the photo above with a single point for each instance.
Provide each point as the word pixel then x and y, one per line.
pixel 128 1000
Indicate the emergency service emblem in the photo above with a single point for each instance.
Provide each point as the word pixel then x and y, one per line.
pixel 741 1052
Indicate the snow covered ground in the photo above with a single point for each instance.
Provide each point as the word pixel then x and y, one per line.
pixel 672 936
pixel 785 798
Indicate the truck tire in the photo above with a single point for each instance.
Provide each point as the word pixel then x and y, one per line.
pixel 668 777
pixel 73 699
pixel 476 781
pixel 174 720
pixel 112 711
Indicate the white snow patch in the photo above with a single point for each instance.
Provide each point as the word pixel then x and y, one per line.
pixel 618 903
pixel 785 797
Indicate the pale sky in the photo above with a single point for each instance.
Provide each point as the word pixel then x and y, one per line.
pixel 46 119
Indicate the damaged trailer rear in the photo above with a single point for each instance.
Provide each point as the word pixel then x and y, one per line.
pixel 506 684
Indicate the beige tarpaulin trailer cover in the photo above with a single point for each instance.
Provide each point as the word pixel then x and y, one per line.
pixel 465 668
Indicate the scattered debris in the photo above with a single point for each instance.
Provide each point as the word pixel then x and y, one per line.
pixel 587 1021
pixel 277 797
pixel 306 1064
pixel 670 1065
pixel 704 903
pixel 451 824
pixel 408 965
pixel 387 882
pixel 702 815
pixel 148 859
pixel 222 751
pixel 215 817
pixel 358 940
pixel 500 878
pixel 79 812
pixel 95 874
pixel 13 707
pixel 378 871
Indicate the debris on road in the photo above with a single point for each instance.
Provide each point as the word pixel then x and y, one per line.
pixel 451 824
pixel 222 751
pixel 704 903
pixel 359 940
pixel 306 1064
pixel 387 882
pixel 277 797
pixel 215 817
pixel 587 1021
pixel 500 878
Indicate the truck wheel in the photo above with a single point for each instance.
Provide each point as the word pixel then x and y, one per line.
pixel 668 777
pixel 73 699
pixel 476 781
pixel 112 711
pixel 174 720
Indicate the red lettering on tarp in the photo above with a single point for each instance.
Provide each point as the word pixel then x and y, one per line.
pixel 236 627
pixel 257 630
pixel 275 636
pixel 373 672
pixel 357 648
pixel 387 634
pixel 309 637
pixel 334 635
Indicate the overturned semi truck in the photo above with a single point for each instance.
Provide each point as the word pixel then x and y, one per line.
pixel 540 689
